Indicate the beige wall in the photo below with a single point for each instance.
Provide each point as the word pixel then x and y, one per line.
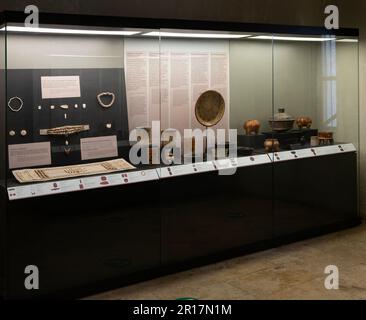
pixel 250 82
pixel 299 12
pixel 258 69
pixel 300 83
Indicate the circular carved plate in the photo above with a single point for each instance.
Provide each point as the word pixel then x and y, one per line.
pixel 210 108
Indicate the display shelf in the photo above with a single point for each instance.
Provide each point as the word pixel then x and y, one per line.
pixel 254 161
pixel 73 185
pixel 125 178
pixel 311 152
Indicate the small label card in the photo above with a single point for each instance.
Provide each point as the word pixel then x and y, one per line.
pixel 175 171
pixel 327 150
pixel 226 164
pixel 99 148
pixel 306 153
pixel 205 166
pixel 29 155
pixel 60 87
pixel 254 160
pixel 348 147
pixel 140 176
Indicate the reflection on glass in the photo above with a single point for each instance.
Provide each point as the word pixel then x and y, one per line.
pixel 329 55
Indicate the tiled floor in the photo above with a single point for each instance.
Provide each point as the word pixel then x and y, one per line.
pixel 291 272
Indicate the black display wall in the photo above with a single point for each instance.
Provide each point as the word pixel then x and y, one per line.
pixel 2 126
pixel 26 84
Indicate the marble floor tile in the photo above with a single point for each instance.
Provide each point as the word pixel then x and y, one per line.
pixel 292 272
pixel 313 290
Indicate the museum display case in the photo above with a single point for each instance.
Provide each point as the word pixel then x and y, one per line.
pixel 131 148
pixel 317 83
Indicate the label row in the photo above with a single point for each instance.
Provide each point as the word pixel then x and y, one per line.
pixel 125 178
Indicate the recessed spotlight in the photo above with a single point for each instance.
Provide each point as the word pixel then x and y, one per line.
pixel 348 40
pixel 196 35
pixel 287 38
pixel 71 31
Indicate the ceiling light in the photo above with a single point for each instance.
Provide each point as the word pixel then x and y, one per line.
pixel 196 35
pixel 348 40
pixel 293 38
pixel 71 31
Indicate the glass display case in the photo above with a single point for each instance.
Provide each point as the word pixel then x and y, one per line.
pixel 75 95
pixel 196 139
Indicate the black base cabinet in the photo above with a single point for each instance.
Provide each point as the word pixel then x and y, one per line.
pixel 314 193
pixel 202 216
pixel 91 241
pixel 82 240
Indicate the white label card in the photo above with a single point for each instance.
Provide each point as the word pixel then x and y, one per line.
pixel 99 148
pixel 29 155
pixel 57 187
pixel 60 87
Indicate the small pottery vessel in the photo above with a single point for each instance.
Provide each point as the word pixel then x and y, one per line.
pixel 326 138
pixel 272 145
pixel 252 127
pixel 304 122
pixel 325 135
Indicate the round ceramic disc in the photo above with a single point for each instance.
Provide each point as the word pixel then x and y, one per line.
pixel 210 108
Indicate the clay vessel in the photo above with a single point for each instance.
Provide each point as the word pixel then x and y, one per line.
pixel 326 135
pixel 252 127
pixel 326 138
pixel 304 122
pixel 272 145
pixel 281 122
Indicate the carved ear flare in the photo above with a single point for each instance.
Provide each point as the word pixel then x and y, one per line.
pixel 106 94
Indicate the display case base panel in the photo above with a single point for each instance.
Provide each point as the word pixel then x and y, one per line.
pixel 96 240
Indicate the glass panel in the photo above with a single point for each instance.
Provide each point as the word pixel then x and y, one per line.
pixel 202 73
pixel 317 78
pixel 2 104
pixel 316 83
pixel 75 93
pixel 142 60
pixel 340 107
pixel 251 88
pixel 195 63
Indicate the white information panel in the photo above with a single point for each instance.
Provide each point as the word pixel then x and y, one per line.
pixel 334 149
pixel 253 160
pixel 58 187
pixel 60 87
pixel 95 182
pixel 349 147
pixel 291 155
pixel 225 164
pixel 311 152
pixel 188 169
